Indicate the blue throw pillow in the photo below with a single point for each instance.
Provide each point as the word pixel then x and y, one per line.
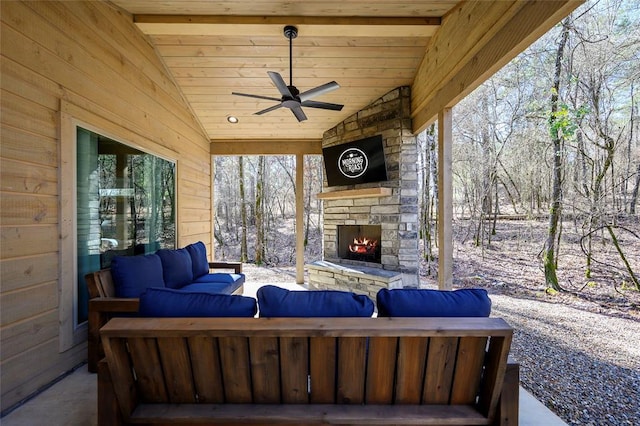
pixel 279 302
pixel 433 303
pixel 199 262
pixel 132 275
pixel 166 302
pixel 176 267
pixel 221 277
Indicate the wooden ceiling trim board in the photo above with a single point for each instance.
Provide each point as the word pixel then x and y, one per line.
pixel 529 24
pixel 287 7
pixel 266 147
pixel 224 52
pixel 299 63
pixel 279 40
pixel 381 21
pixel 451 49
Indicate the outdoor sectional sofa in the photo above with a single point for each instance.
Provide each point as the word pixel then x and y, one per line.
pixel 312 357
pixel 116 291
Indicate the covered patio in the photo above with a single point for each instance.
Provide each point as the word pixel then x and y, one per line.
pixel 159 77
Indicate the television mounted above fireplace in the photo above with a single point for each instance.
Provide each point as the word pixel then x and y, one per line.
pixel 356 162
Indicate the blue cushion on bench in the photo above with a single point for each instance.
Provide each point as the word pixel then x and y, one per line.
pixel 433 303
pixel 166 302
pixel 132 275
pixel 211 288
pixel 221 277
pixel 279 302
pixel 199 262
pixel 176 267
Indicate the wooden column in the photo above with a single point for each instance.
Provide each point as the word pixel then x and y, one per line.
pixel 300 218
pixel 445 201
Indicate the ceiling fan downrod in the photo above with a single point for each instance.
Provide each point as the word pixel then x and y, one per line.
pixel 290 32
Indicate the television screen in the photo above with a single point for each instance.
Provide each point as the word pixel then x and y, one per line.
pixel 361 161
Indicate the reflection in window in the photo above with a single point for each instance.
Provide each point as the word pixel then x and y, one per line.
pixel 125 205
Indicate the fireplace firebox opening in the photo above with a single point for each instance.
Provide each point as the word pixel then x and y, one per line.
pixel 360 242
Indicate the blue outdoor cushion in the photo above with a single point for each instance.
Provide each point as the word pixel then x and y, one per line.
pixel 211 288
pixel 221 277
pixel 279 302
pixel 433 303
pixel 166 302
pixel 176 267
pixel 132 275
pixel 199 262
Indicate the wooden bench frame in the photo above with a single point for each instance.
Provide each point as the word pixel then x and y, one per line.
pixel 307 371
pixel 103 305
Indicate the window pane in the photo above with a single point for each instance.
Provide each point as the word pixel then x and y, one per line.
pixel 125 205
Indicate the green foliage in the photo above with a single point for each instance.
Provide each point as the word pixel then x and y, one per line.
pixel 565 121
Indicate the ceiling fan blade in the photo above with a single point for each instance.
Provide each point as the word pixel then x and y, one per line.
pixel 256 96
pixel 322 105
pixel 280 84
pixel 317 91
pixel 299 113
pixel 264 111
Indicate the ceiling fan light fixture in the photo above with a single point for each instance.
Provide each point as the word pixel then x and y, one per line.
pixel 291 97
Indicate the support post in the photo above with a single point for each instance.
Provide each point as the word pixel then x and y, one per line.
pixel 299 218
pixel 445 201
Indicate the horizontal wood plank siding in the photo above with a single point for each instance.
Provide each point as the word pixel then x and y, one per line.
pixel 89 57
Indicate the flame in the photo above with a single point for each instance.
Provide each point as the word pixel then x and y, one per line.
pixel 363 245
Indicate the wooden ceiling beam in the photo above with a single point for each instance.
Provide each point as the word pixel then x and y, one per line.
pixel 265 26
pixel 456 63
pixel 266 147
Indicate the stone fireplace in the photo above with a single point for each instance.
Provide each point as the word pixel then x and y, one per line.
pixel 383 211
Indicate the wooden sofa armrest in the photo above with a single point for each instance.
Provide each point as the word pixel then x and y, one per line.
pixel 114 304
pixel 236 266
pixel 101 310
pixel 509 404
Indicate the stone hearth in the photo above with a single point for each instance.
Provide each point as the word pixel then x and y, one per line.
pixel 392 204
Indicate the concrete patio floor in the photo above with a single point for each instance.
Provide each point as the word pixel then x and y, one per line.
pixel 72 401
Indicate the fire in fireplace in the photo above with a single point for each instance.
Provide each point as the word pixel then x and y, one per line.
pixel 363 245
pixel 359 242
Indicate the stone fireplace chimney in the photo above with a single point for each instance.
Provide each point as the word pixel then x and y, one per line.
pixel 389 207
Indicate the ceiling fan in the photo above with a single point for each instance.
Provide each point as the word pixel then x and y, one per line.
pixel 291 96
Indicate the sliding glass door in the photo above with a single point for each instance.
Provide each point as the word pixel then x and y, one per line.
pixel 125 205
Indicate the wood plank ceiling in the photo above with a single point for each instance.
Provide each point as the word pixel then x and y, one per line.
pixel 213 48
pixel 443 49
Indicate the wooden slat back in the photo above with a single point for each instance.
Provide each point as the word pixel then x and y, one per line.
pixel 100 284
pixel 206 362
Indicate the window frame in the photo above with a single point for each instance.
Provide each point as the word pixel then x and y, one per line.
pixel 71 333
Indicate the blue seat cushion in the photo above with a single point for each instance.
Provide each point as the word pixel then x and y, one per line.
pixel 211 288
pixel 279 302
pixel 132 275
pixel 166 302
pixel 221 277
pixel 176 267
pixel 199 262
pixel 433 303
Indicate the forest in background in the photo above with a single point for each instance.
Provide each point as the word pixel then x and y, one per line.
pixel 551 138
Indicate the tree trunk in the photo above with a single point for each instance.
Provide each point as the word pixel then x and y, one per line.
pixel 549 259
pixel 634 193
pixel 260 210
pixel 243 211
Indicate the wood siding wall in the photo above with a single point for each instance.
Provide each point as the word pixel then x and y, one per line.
pixel 88 58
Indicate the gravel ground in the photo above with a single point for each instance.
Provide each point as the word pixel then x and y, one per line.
pixel 583 365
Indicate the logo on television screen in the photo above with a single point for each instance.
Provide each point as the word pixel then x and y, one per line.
pixel 353 163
